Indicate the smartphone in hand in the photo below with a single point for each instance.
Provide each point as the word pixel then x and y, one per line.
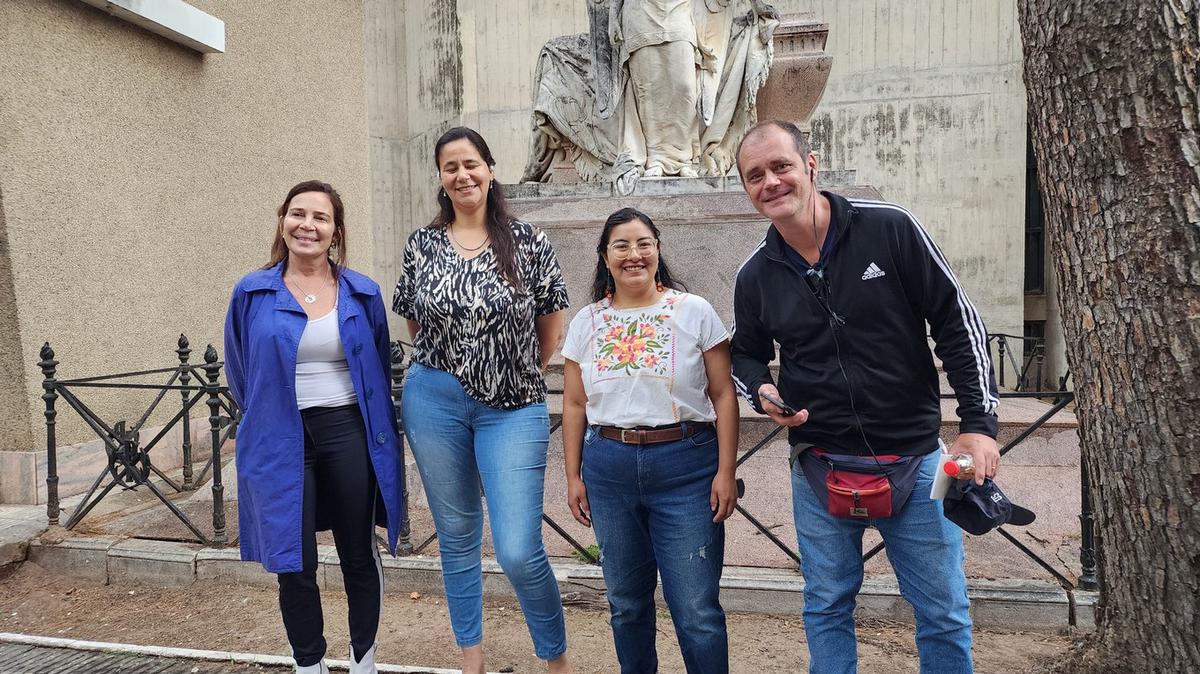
pixel 784 409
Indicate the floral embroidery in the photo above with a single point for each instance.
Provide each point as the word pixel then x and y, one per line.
pixel 625 344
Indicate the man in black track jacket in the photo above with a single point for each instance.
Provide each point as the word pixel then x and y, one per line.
pixel 846 287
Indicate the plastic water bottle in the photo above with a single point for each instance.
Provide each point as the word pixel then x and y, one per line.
pixel 960 467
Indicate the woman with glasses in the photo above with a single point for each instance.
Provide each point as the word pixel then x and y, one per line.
pixel 483 295
pixel 650 430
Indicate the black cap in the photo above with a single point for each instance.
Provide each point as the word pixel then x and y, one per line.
pixel 979 509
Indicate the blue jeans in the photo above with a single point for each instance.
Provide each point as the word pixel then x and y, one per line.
pixel 460 444
pixel 651 514
pixel 926 552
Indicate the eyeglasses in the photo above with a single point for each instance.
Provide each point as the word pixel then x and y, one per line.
pixel 622 249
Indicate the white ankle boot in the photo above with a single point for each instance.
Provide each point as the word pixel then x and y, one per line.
pixel 318 668
pixel 364 666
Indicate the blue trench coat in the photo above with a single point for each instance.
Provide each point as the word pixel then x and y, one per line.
pixel 262 334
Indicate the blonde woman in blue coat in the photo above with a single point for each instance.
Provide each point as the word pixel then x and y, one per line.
pixel 307 358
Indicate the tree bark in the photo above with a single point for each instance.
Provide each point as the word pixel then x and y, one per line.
pixel 1113 112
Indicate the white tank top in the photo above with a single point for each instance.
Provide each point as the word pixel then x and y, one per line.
pixel 322 373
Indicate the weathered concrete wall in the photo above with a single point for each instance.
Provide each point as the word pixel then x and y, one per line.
pixel 414 89
pixel 498 69
pixel 436 65
pixel 140 178
pixel 14 398
pixel 925 101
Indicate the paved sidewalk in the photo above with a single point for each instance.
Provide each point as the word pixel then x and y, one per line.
pixel 22 659
pixel 26 654
pixel 18 525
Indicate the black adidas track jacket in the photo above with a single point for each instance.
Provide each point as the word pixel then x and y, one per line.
pixel 862 356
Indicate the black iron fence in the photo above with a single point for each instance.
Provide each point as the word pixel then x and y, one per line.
pixel 1028 371
pixel 128 461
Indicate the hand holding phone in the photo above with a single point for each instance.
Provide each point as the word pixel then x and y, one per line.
pixel 784 409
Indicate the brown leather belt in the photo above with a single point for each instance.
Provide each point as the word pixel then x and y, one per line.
pixel 652 436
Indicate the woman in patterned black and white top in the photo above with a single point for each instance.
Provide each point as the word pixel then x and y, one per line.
pixel 483 295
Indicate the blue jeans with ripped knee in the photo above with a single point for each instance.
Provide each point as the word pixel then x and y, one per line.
pixel 651 514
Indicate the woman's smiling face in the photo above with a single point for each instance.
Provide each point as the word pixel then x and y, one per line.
pixel 307 225
pixel 632 256
pixel 465 176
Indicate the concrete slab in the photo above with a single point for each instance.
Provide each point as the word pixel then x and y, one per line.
pixel 418 573
pixel 574 190
pixel 225 564
pixel 155 562
pixel 15 535
pixel 80 557
pixel 23 512
pixel 664 186
pixel 1023 604
pixel 521 190
pixel 673 185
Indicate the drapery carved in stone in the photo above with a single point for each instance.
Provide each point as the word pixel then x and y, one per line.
pixel 657 87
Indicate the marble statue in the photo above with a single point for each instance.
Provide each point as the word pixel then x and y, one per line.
pixel 656 88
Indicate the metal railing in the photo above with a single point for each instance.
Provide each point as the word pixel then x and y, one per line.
pixel 128 462
pixel 1030 372
pixel 1058 399
pixel 404 545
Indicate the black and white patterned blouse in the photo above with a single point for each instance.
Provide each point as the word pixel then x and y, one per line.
pixel 474 324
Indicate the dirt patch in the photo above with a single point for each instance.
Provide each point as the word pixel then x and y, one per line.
pixel 416 630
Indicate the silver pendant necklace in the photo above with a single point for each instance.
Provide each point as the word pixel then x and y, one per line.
pixel 309 298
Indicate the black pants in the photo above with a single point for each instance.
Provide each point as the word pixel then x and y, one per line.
pixel 339 494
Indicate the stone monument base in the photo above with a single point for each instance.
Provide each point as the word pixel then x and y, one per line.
pixel 708 227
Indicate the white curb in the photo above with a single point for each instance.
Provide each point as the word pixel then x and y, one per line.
pixel 194 654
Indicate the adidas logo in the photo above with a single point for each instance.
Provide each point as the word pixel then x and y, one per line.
pixel 873 271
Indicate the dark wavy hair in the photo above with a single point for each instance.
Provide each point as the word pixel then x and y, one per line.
pixel 498 219
pixel 602 281
pixel 337 249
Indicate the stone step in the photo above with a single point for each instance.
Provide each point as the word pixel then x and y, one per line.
pixel 1007 603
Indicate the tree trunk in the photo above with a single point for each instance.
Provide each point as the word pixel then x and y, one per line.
pixel 1113 112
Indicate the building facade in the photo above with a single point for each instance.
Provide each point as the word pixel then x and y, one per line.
pixel 138 181
pixel 139 175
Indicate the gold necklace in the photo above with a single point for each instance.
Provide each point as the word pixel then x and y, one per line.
pixel 453 238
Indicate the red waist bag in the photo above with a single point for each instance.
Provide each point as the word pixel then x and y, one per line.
pixel 860 487
pixel 859 495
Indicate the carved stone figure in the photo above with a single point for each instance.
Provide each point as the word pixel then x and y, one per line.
pixel 657 87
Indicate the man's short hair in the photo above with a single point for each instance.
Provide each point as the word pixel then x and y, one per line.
pixel 803 147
